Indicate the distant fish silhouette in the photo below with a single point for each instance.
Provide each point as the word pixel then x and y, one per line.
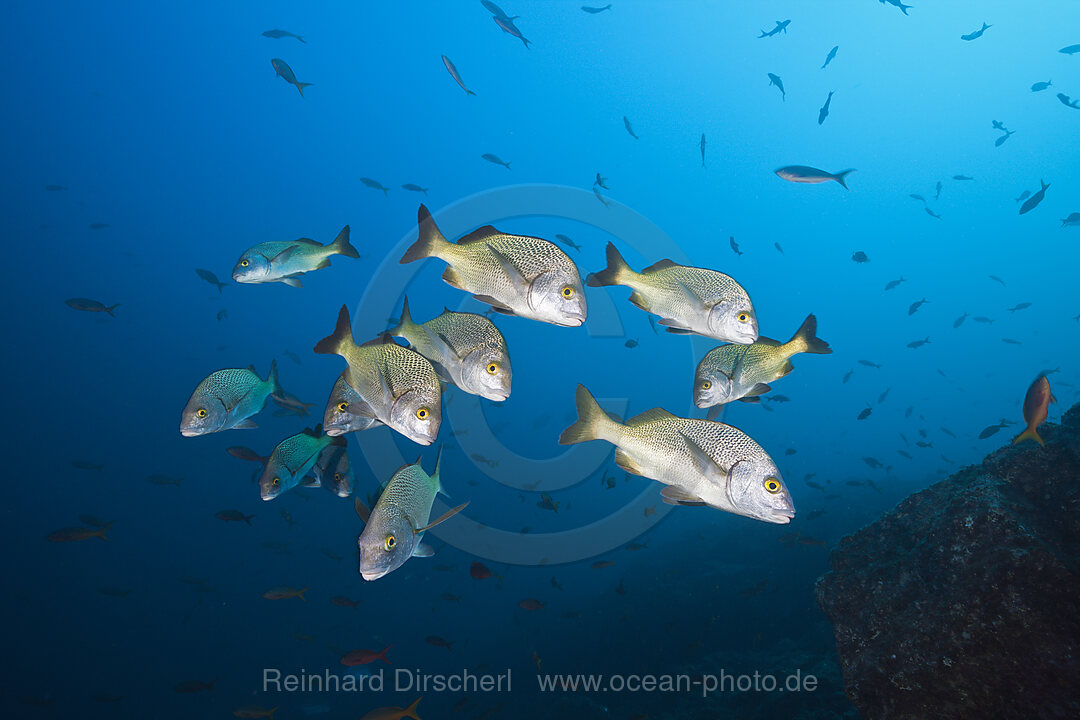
pixel 896 3
pixel 1032 202
pixel 976 34
pixel 1070 50
pixel 286 73
pixel 1001 140
pixel 932 214
pixel 1068 101
pixel 824 111
pixel 734 245
pixel 830 56
pixel 508 27
pixel 454 74
pixel 629 129
pixel 702 146
pixel 495 160
pixel 595 10
pixel 1040 86
pixel 781 27
pixel 1023 196
pixel 497 11
pixel 278 34
pixel 775 80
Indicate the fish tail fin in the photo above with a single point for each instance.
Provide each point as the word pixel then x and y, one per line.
pixel 1029 434
pixel 271 711
pixel 435 475
pixel 382 655
pixel 411 710
pixel 300 86
pixel 100 533
pixel 430 240
pixel 615 270
pixel 110 309
pixel 591 423
pixel 300 594
pixel 272 378
pixel 342 246
pixel 805 339
pixel 841 177
pixel 341 338
pixel 467 92
pixel 247 518
pixel 1045 185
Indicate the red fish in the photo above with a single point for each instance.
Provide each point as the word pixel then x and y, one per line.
pixel 1036 407
pixel 479 571
pixel 531 604
pixel 73 534
pixel 363 657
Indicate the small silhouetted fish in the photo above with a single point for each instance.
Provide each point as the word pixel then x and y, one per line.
pixel 882 396
pixel 867 363
pixel 865 413
pixel 824 111
pixel 975 35
pixel 1070 50
pixel 629 129
pixel 734 245
pixel 960 320
pixel 915 306
pixel 282 69
pixel 87 305
pixel 847 376
pixel 962 177
pixel 872 462
pixel 775 80
pixel 375 185
pixel 859 257
pixel 1073 220
pixel 1020 306
pixel 98 225
pixel 790 451
pixel 778 248
pixel 278 34
pixel 984 320
pixel 916 344
pixel 495 160
pixel 1032 202
pixel 567 241
pixel 603 200
pixel 905 453
pixel 812 175
pixel 222 314
pixel 897 4
pixel 830 56
pixel 995 278
pixel 920 198
pixel 932 214
pixel 702 146
pixel 937 190
pixel 781 27
pixel 1040 86
pixel 210 278
pixel 1023 196
pixel 507 25
pixel 1068 101
pixel 1001 140
pixel 948 432
pixel 893 283
pixel 601 181
pixel 56 188
pixel 631 343
pixel 595 10
pixel 1010 341
pixel 411 187
pixel 992 429
pixel 998 125
pixel 450 68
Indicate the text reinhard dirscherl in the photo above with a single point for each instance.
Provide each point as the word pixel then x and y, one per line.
pixel 401 680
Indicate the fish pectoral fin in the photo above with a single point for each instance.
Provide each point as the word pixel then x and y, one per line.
pixel 673 495
pixel 517 280
pixel 714 412
pixel 423 550
pixel 324 263
pixel 310 481
pixel 669 323
pixel 787 368
pixel 639 300
pixel 442 518
pixel 625 462
pixel 704 462
pixel 680 330
pixel 496 305
pixel 759 389
pixel 292 281
pixel 362 510
pixel 284 255
pixel 361 408
pixel 750 399
pixel 246 424
pixel 450 277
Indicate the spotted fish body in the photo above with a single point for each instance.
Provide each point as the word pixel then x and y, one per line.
pixel 688 299
pixel 286 261
pixel 515 274
pixel 333 471
pixel 338 419
pixel 292 459
pixel 403 508
pixel 465 349
pixel 397 386
pixel 226 399
pixel 702 462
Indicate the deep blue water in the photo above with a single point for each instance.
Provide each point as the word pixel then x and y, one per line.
pixel 169 127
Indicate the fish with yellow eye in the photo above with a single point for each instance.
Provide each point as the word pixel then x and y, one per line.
pixel 1036 408
pixel 226 399
pixel 396 386
pixel 333 471
pixel 465 349
pixel 285 261
pixel 338 419
pixel 687 299
pixel 701 463
pixel 515 274
pixel 394 529
pixel 292 459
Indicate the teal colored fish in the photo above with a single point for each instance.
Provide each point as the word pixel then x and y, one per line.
pixel 292 459
pixel 286 261
pixel 226 399
pixel 286 73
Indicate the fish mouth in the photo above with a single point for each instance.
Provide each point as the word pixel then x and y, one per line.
pixel 781 516
pixel 371 575
pixel 191 432
pixel 571 319
pixel 333 432
pixel 496 395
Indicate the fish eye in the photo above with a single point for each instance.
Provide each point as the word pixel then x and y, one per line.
pixel 343 407
pixel 772 485
pixel 422 414
pixel 567 292
pixel 492 368
pixel 744 317
pixel 389 543
pixel 706 385
pixel 275 482
pixel 200 413
pixel 337 477
pixel 245 263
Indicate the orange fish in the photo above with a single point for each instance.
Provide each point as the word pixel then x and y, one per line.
pixel 600 564
pixel 1036 407
pixel 74 534
pixel 363 657
pixel 284 592
pixel 531 604
pixel 394 713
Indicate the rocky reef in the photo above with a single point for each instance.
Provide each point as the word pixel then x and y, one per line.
pixel 964 600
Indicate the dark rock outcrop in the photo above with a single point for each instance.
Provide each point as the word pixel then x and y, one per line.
pixel 964 601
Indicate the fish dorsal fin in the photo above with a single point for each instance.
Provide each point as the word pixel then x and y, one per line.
pixel 650 416
pixel 442 518
pixel 251 367
pixel 313 432
pixel 362 510
pixel 480 234
pixel 382 339
pixel 768 341
pixel 308 241
pixel 660 265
